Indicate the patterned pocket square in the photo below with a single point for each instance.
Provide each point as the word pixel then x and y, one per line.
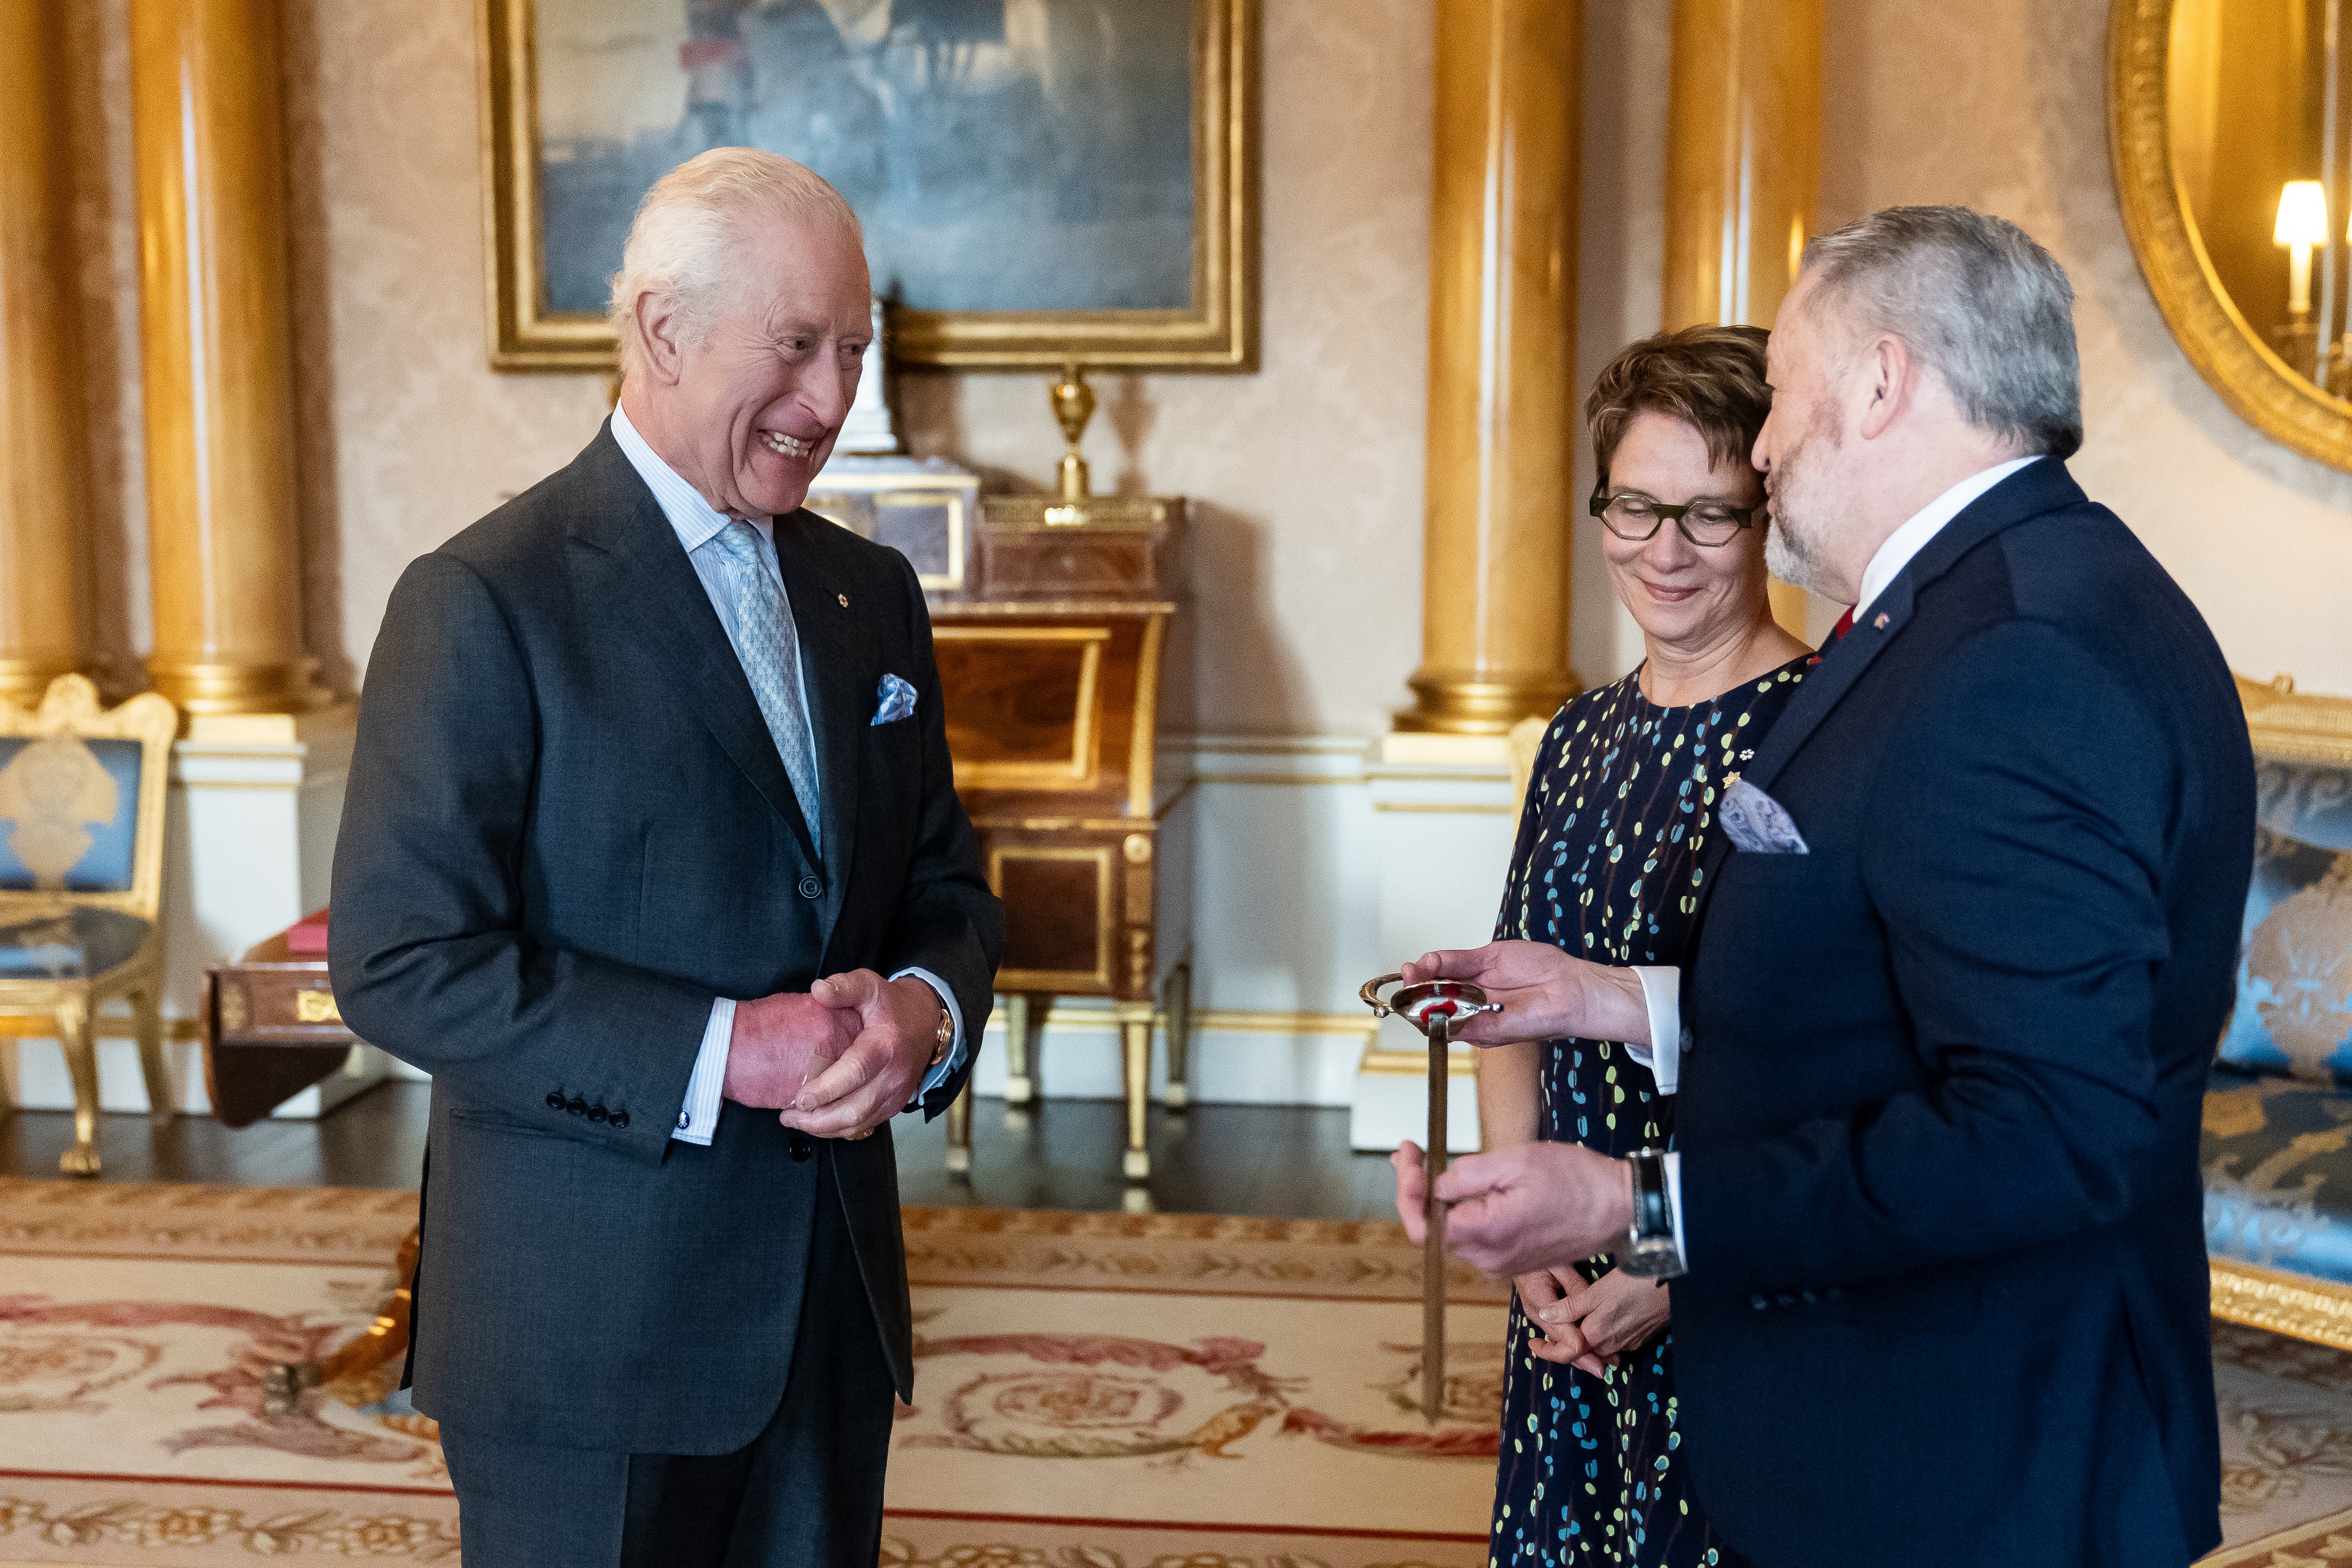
pixel 1758 824
pixel 898 701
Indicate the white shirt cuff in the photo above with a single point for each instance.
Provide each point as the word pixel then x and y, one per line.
pixel 1672 1161
pixel 952 1063
pixel 698 1118
pixel 1661 989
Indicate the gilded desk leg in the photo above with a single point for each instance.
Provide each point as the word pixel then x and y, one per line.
pixel 147 1019
pixel 81 1063
pixel 959 1132
pixel 1135 1032
pixel 1176 1006
pixel 1020 1044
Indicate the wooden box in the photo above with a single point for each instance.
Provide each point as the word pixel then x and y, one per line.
pixel 271 1030
pixel 1104 547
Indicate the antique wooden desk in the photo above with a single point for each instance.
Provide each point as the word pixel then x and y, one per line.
pixel 1051 665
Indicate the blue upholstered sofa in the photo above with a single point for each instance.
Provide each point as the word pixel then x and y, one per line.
pixel 2278 1113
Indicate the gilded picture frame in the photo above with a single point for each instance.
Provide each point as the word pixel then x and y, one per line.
pixel 2246 371
pixel 1217 331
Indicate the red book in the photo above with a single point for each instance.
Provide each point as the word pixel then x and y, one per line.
pixel 308 936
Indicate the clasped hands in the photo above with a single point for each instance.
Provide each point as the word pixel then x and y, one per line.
pixel 1528 1209
pixel 838 1059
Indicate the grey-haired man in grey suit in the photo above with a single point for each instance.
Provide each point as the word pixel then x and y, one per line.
pixel 652 856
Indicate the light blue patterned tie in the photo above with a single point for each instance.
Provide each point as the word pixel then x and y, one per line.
pixel 770 656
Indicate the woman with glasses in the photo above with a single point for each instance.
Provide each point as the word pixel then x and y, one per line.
pixel 1623 792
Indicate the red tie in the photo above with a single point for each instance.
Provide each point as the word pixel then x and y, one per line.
pixel 1845 625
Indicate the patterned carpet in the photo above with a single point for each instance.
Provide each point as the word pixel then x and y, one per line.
pixel 2287 1450
pixel 1095 1390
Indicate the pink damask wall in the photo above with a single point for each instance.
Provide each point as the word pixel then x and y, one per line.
pixel 1306 552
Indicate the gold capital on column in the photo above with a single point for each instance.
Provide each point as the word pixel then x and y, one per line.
pixel 208 146
pixel 1743 169
pixel 44 458
pixel 1501 355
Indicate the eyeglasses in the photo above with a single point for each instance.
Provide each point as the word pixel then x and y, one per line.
pixel 1709 524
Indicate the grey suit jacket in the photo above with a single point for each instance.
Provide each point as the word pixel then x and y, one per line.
pixel 567 832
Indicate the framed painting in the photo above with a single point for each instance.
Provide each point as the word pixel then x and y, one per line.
pixel 1041 182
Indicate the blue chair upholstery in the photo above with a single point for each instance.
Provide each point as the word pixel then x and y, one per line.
pixel 86 797
pixel 2277 1144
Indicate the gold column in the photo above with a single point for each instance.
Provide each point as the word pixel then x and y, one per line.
pixel 1502 272
pixel 208 145
pixel 1743 169
pixel 44 460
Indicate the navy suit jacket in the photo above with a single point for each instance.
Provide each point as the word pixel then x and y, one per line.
pixel 1947 1295
pixel 567 831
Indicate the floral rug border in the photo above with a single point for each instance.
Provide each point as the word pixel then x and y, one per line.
pixel 1029 1248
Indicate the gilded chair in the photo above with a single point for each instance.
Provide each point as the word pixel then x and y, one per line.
pixel 81 873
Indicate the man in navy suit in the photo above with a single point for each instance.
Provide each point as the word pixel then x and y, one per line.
pixel 1969 940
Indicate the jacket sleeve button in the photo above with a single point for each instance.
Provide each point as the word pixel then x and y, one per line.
pixel 555 1100
pixel 576 1106
pixel 620 1122
pixel 597 1112
pixel 1758 1302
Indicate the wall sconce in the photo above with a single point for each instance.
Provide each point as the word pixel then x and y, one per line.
pixel 2302 224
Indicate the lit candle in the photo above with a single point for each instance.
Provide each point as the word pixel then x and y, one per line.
pixel 2302 224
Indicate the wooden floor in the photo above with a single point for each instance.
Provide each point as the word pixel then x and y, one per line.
pixel 1289 1161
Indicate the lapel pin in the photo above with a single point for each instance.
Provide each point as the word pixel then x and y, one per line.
pixel 1880 622
pixel 845 605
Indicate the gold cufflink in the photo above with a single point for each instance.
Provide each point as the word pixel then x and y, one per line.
pixel 845 603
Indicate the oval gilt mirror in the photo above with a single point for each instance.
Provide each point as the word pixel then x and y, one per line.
pixel 2231 130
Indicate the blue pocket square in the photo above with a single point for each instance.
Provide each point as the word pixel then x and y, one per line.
pixel 898 701
pixel 1757 823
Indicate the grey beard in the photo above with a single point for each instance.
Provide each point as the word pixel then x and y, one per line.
pixel 1787 558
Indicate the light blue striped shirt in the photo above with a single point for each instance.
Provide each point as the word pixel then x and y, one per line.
pixel 698 522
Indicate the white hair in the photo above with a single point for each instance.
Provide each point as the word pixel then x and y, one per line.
pixel 689 224
pixel 1976 301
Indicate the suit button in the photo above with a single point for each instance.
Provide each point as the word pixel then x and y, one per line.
pixel 555 1100
pixel 1758 1302
pixel 576 1106
pixel 800 1146
pixel 620 1122
pixel 811 888
pixel 1810 1299
pixel 1786 1300
pixel 597 1112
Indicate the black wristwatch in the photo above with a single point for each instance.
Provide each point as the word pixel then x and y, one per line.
pixel 1651 1252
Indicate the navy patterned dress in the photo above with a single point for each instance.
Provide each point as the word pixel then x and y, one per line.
pixel 1622 793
